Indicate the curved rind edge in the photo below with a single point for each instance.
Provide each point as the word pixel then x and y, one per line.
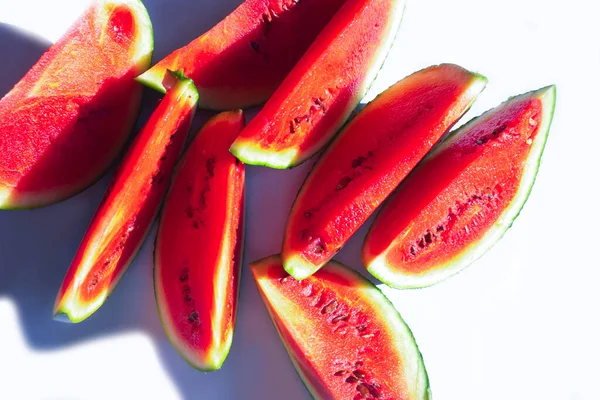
pixel 398 280
pixel 188 355
pixel 63 310
pixel 143 63
pixel 294 263
pixel 291 158
pixel 370 293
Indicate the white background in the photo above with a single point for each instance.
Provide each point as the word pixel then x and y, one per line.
pixel 521 323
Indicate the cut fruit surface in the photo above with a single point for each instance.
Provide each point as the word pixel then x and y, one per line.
pixel 129 206
pixel 324 87
pixel 198 249
pixel 242 60
pixel 342 334
pixel 369 158
pixel 67 119
pixel 463 197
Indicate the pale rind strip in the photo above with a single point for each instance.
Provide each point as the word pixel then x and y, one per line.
pixel 280 307
pixel 253 154
pixel 69 308
pixel 295 263
pixel 215 358
pixel 143 57
pixel 378 266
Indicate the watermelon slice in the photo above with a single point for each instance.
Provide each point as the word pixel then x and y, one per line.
pixel 129 206
pixel 463 197
pixel 198 249
pixel 342 334
pixel 68 118
pixel 319 94
pixel 368 160
pixel 241 61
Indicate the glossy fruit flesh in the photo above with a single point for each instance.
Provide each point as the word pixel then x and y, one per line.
pixel 324 87
pixel 68 118
pixel 242 60
pixel 368 160
pixel 129 206
pixel 198 246
pixel 463 197
pixel 344 337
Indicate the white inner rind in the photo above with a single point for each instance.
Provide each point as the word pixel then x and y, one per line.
pixel 145 33
pixel 142 60
pixel 399 279
pixel 293 261
pixel 215 357
pixel 253 154
pixel 69 305
pixel 413 369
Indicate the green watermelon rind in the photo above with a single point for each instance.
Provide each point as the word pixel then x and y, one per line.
pixel 70 312
pixel 172 337
pixel 402 331
pixel 287 159
pixel 145 50
pixel 399 280
pixel 296 265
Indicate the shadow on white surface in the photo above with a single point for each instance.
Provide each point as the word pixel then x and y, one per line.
pixel 36 248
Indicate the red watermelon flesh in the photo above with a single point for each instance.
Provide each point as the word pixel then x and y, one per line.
pixel 129 206
pixel 64 123
pixel 369 158
pixel 463 197
pixel 342 334
pixel 324 87
pixel 242 60
pixel 198 250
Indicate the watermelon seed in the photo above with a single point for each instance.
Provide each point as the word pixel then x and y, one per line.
pixel 363 389
pixel 367 336
pixel 413 251
pixel 359 374
pixel 189 211
pixel 341 317
pixel 210 166
pixel 255 46
pixel 529 141
pixel 361 327
pixel 428 238
pixel 440 228
pixel 284 279
pixel 343 183
pixel 308 214
pixel 329 308
pixel 351 379
pixel 532 122
pixel 193 318
pixel 496 132
pixel 358 364
pixel 340 373
pixel 195 225
pixel 358 162
pixel 184 275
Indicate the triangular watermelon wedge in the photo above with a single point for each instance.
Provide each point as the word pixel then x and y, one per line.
pixel 68 118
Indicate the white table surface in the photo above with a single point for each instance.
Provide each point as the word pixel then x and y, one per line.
pixel 521 323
